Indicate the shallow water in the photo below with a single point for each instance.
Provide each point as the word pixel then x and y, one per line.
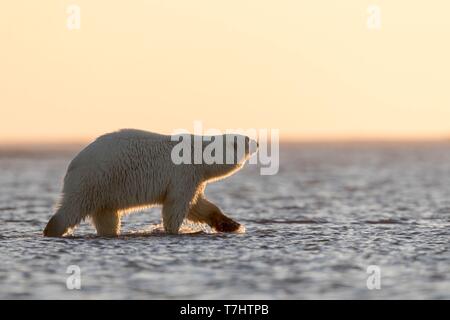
pixel 312 231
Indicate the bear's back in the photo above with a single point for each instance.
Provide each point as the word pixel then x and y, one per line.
pixel 135 134
pixel 111 148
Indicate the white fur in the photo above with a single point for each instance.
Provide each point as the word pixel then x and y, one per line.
pixel 130 169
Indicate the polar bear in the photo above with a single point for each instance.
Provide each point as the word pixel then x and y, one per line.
pixel 130 169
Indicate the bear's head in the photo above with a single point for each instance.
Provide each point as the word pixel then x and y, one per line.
pixel 214 156
pixel 225 154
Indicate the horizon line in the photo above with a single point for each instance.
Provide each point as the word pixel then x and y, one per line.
pixel 285 140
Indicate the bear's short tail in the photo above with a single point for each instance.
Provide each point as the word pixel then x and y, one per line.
pixel 56 226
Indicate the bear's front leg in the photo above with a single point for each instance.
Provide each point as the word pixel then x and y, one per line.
pixel 173 213
pixel 207 212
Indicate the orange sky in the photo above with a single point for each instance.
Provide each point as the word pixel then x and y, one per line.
pixel 309 68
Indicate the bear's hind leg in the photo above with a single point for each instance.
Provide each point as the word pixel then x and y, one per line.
pixel 107 223
pixel 66 218
pixel 207 212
